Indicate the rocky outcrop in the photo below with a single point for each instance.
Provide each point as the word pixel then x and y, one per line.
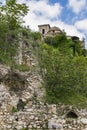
pixel 24 110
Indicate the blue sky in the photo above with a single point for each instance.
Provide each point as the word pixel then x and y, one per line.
pixel 62 2
pixel 70 15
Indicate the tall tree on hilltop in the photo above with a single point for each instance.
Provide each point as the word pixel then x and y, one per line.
pixel 11 18
pixel 13 13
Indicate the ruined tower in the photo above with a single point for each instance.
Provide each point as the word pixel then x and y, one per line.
pixel 43 29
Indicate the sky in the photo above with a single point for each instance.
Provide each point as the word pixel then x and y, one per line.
pixel 68 15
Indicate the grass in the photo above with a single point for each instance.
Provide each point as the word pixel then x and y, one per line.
pixel 77 100
pixel 14 109
pixel 23 68
pixel 5 59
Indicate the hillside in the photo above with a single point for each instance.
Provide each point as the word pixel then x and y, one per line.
pixel 43 84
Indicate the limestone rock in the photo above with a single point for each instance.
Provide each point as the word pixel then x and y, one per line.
pixel 85 129
pixel 55 124
pixel 84 121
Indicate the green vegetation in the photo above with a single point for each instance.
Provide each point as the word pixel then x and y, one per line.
pixel 14 109
pixel 22 67
pixel 66 46
pixel 10 27
pixel 13 13
pixel 36 36
pixel 65 74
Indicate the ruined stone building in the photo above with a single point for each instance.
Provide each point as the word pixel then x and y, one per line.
pixel 47 31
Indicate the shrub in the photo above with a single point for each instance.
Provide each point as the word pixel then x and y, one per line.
pixel 14 109
pixel 23 67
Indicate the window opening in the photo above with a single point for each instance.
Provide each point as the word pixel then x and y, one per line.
pixel 43 31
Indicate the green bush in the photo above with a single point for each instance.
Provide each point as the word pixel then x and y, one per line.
pixel 23 67
pixel 36 36
pixel 14 109
pixel 64 76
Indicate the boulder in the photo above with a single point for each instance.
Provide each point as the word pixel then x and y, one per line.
pixel 84 121
pixel 55 124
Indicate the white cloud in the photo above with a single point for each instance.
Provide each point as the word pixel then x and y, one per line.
pixel 42 7
pixel 77 5
pixel 41 12
pixel 82 25
pixel 69 29
pixel 45 9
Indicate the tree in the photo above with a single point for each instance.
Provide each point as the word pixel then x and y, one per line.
pixel 61 42
pixel 65 76
pixel 36 36
pixel 13 13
